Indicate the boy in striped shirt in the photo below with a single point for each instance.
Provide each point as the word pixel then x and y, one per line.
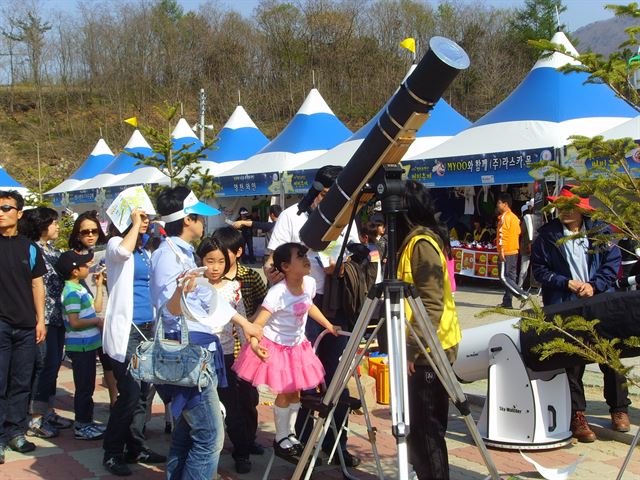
pixel 83 338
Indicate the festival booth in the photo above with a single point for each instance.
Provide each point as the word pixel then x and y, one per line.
pixel 7 182
pixel 532 124
pixel 313 130
pixel 71 191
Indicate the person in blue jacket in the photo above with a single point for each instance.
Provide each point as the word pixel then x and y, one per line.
pixel 574 269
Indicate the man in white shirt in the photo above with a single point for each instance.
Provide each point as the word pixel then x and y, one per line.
pixel 287 229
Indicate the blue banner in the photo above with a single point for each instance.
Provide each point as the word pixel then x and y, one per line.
pixel 254 184
pixel 632 157
pixel 486 169
pixel 86 196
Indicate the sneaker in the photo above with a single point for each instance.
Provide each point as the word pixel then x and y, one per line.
pixel 100 426
pixel 116 465
pixel 87 432
pixel 580 428
pixel 620 422
pixel 144 456
pixel 55 420
pixel 21 445
pixel 41 429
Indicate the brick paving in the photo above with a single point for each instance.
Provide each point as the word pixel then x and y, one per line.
pixel 65 458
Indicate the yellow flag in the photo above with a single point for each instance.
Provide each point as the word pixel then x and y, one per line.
pixel 133 121
pixel 409 44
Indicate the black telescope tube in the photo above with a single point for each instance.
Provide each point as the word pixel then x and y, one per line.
pixel 388 140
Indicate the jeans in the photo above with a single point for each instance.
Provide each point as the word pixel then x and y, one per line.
pixel 17 356
pixel 524 269
pixel 509 277
pixel 428 411
pixel 197 439
pixel 329 352
pixel 128 414
pixel 45 380
pixel 83 365
pixel 240 400
pixel 615 390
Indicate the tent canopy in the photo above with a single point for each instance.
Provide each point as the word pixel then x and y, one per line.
pixel 313 130
pixel 536 118
pixel 98 159
pixel 239 139
pixel 7 182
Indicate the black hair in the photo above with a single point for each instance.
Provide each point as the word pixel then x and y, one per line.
pixel 171 200
pixel 230 238
pixel 505 197
pixel 283 253
pixel 36 221
pixel 327 175
pixel 370 229
pixel 210 244
pixel 421 211
pixel 275 210
pixel 15 195
pixel 74 237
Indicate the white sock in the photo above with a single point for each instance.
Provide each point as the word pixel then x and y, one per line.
pixel 281 416
pixel 294 408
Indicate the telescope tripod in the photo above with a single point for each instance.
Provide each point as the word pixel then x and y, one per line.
pixel 391 293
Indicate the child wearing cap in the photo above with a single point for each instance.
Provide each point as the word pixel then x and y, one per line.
pixel 83 337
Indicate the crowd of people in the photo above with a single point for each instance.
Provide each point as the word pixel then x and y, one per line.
pixel 52 303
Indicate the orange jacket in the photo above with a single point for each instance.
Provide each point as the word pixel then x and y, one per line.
pixel 508 234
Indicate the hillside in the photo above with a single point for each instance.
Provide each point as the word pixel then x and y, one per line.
pixel 603 37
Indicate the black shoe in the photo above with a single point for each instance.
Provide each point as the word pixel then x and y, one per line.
pixel 243 465
pixel 21 444
pixel 167 427
pixel 283 452
pixel 144 456
pixel 256 449
pixel 350 461
pixel 116 466
pixel 298 447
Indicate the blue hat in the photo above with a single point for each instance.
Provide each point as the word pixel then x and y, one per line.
pixel 191 205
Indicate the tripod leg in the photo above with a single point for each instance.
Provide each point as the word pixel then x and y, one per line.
pixel 348 363
pixel 441 366
pixel 399 388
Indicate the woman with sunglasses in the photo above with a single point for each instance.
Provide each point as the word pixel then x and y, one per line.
pixel 85 236
pixel 128 320
pixel 41 226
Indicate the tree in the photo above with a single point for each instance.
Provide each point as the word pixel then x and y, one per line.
pixel 30 31
pixel 180 165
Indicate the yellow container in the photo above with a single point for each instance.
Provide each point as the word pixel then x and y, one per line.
pixel 382 383
pixel 373 364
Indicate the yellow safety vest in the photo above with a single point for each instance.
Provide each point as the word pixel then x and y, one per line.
pixel 448 329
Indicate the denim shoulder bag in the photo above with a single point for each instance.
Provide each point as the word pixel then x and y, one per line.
pixel 171 362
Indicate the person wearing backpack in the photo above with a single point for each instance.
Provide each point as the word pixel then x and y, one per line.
pixel 22 298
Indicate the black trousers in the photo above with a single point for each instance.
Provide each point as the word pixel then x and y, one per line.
pixel 240 400
pixel 616 393
pixel 83 365
pixel 128 415
pixel 429 412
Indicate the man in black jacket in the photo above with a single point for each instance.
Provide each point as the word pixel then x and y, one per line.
pixel 578 268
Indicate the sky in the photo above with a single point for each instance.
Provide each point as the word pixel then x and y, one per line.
pixel 578 13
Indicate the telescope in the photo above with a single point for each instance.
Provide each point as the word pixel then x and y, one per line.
pixel 388 141
pixel 528 405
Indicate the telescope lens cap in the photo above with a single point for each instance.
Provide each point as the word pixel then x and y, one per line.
pixel 449 52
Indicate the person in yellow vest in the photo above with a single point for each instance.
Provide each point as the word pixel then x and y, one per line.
pixel 422 262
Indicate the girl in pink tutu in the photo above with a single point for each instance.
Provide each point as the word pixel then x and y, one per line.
pixel 284 359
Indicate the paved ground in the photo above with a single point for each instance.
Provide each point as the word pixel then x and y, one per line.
pixel 67 458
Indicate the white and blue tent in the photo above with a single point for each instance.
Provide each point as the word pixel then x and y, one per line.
pixel 313 130
pixel 7 182
pixel 98 159
pixel 629 129
pixel 123 165
pixel 533 123
pixel 238 140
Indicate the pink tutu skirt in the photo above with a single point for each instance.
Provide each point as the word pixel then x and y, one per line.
pixel 288 368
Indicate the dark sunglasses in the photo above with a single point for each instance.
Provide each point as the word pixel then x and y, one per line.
pixel 7 208
pixel 90 231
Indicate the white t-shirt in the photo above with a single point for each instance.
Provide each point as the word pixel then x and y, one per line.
pixel 288 312
pixel 230 293
pixel 287 229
